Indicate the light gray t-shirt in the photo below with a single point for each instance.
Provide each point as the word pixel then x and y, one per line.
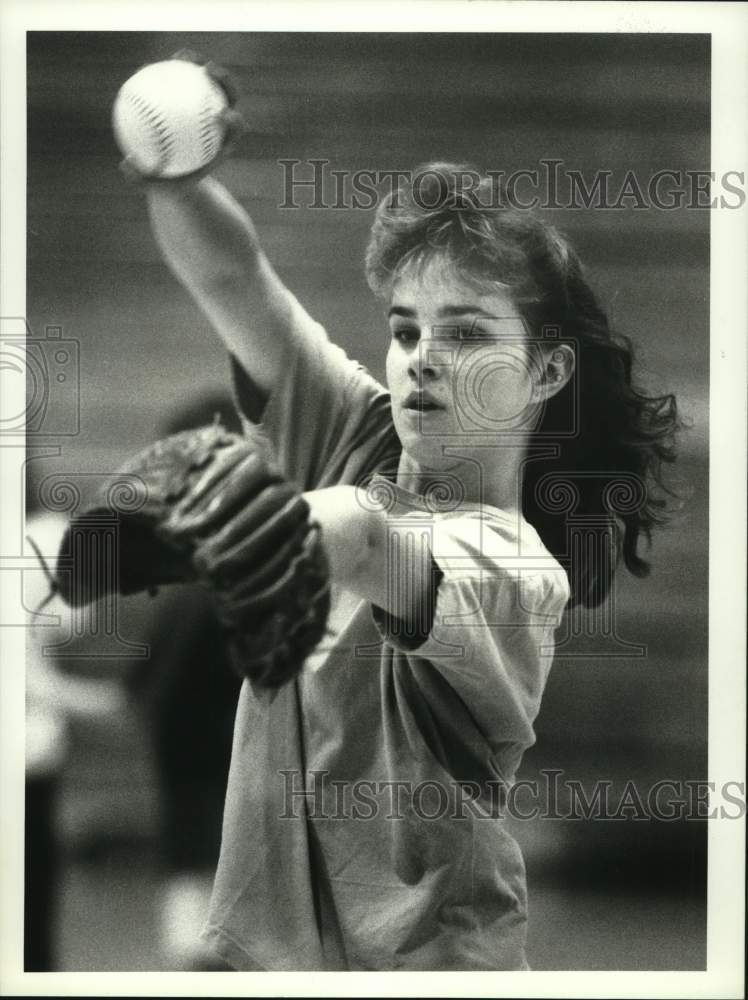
pixel 362 826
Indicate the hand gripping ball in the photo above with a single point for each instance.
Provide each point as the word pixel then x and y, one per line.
pixel 167 118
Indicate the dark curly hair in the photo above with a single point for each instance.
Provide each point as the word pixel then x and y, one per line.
pixel 610 439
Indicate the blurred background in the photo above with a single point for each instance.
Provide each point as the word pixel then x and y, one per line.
pixel 132 839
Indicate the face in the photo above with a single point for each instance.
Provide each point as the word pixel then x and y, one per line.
pixel 460 368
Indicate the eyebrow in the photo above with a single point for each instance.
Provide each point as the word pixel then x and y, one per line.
pixel 446 312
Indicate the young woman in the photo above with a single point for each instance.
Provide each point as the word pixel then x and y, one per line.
pixel 363 823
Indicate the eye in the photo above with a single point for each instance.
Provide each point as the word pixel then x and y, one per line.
pixel 452 331
pixel 406 335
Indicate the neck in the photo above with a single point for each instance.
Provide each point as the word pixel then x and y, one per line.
pixel 491 476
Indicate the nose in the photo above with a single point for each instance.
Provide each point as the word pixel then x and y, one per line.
pixel 421 367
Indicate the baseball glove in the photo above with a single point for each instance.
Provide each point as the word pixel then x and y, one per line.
pixel 211 506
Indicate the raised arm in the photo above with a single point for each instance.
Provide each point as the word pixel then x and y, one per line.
pixel 211 245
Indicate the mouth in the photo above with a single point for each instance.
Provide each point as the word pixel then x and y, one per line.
pixel 421 402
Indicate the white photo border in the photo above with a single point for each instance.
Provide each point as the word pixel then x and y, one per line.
pixel 728 26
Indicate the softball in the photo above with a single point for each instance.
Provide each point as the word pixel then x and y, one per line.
pixel 167 118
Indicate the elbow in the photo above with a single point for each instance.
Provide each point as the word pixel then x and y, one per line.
pixel 362 558
pixel 220 284
pixel 228 277
pixel 373 529
pixel 353 537
pixel 377 563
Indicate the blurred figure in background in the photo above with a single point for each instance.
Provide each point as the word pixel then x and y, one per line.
pixel 190 693
pixel 54 699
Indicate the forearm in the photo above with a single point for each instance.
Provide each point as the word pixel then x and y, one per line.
pixel 390 569
pixel 206 237
pixel 211 245
pixel 349 534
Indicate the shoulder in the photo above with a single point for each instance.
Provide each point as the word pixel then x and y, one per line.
pixel 496 548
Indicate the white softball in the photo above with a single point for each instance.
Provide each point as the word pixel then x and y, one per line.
pixel 167 118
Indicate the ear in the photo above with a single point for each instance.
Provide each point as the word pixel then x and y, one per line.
pixel 558 367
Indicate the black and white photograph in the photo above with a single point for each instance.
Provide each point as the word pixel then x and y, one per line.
pixel 373 483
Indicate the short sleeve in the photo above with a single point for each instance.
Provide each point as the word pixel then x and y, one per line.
pixel 328 419
pixel 491 636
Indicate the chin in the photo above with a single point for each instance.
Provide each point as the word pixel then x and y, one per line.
pixel 426 451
